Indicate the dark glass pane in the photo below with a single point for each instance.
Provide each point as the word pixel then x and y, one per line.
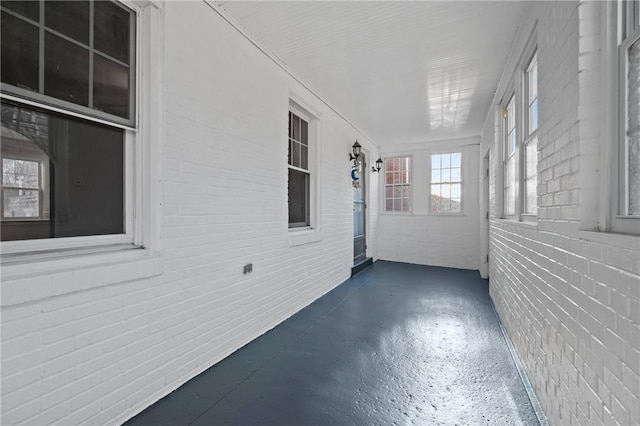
pixel 295 128
pixel 81 184
pixel 304 157
pixel 19 53
pixel 111 30
pixel 88 178
pixel 29 9
pixel 304 132
pixel 298 196
pixel 66 70
pixel 70 18
pixel 110 86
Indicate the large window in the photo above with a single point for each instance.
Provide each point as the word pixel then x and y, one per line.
pixel 65 64
pixel 531 142
pixel 299 174
pixel 446 183
pixel 629 147
pixel 397 187
pixel 74 54
pixel 509 160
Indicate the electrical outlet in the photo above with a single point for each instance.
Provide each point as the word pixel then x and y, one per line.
pixel 248 268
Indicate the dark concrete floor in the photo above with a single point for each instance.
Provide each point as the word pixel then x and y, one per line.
pixel 397 344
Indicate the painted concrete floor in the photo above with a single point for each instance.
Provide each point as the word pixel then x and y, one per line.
pixel 397 344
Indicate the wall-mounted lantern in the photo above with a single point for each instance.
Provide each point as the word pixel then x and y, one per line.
pixel 356 149
pixel 377 167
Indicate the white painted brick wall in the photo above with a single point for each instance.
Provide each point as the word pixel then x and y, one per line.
pixel 568 298
pixel 423 238
pixel 108 347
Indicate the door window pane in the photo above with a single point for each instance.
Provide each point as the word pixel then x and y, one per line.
pixel 19 52
pixel 66 70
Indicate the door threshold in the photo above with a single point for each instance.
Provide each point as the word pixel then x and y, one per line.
pixel 363 264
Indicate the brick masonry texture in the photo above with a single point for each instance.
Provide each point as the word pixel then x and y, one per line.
pixel 568 298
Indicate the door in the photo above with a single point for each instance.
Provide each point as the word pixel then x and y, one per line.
pixel 359 210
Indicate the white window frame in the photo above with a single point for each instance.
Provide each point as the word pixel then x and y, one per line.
pixel 510 157
pixel 629 33
pixel 313 232
pixel 40 188
pixel 530 136
pixel 385 185
pixel 617 24
pixel 461 182
pixel 307 222
pixel 134 162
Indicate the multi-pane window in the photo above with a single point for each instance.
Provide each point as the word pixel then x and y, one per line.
pixel 63 174
pixel 630 110
pixel 531 142
pixel 446 183
pixel 509 161
pixel 397 187
pixel 20 188
pixel 299 174
pixel 77 52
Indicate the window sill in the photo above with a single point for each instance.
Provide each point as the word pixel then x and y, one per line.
pixel 436 214
pixel 624 241
pixel 524 224
pixel 301 236
pixel 30 277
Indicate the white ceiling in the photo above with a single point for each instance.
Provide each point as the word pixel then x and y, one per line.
pixel 401 71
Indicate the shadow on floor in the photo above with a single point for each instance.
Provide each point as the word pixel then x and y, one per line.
pixel 397 344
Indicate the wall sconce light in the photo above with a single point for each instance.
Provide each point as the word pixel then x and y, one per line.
pixel 356 151
pixel 377 167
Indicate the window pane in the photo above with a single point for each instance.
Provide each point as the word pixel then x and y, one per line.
pixel 29 9
pixel 304 157
pixel 435 161
pixel 111 30
pixel 66 70
pixel 446 175
pixel 531 176
pixel 389 205
pixel 456 175
pixel 446 160
pixel 70 18
pixel 110 87
pixel 19 53
pixel 21 203
pixel 533 116
pixel 388 192
pixel 298 196
pixel 435 176
pixel 81 174
pixel 304 132
pixel 296 155
pixel 634 128
pixel 295 128
pixel 456 159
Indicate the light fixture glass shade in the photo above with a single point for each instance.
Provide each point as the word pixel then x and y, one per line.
pixel 356 149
